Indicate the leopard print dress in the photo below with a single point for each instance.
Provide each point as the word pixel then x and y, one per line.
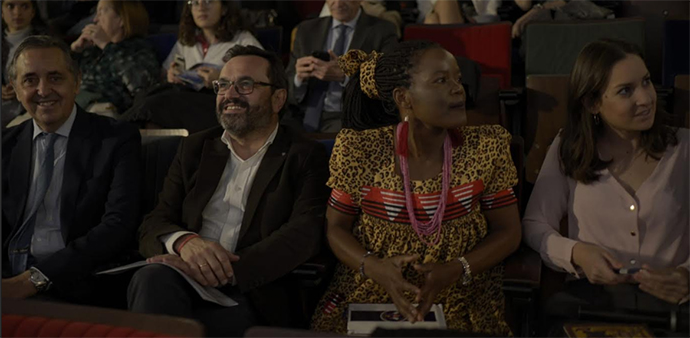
pixel 365 184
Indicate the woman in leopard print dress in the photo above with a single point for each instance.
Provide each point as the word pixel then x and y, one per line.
pixel 449 249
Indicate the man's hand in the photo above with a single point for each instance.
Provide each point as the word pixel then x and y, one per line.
pixel 598 264
pixel 437 277
pixel 8 92
pixel 304 66
pixel 172 260
pixel 670 284
pixel 18 287
pixel 328 70
pixel 209 262
pixel 96 34
pixel 387 272
pixel 209 74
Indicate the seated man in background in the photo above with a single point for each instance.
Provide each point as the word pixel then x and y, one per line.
pixel 242 206
pixel 316 81
pixel 70 183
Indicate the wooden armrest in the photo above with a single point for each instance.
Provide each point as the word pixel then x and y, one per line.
pixel 523 268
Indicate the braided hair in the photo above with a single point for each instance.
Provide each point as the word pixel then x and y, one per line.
pixel 392 71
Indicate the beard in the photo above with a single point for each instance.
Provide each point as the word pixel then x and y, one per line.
pixel 241 124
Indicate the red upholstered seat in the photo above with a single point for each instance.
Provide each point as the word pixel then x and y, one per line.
pixel 487 44
pixel 32 326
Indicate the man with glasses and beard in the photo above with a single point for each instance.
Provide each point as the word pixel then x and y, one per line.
pixel 242 206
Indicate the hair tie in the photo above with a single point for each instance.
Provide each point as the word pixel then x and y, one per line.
pixel 357 60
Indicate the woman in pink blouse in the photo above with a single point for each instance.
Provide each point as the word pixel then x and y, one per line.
pixel 619 175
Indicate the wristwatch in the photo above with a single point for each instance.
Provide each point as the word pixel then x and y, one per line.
pixel 39 280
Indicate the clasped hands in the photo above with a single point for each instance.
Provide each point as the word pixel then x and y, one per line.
pixel 206 261
pixel 668 284
pixel 309 66
pixel 387 272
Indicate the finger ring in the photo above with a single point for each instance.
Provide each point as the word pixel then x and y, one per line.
pixel 202 265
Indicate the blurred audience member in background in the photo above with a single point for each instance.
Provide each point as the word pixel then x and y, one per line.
pixel 316 81
pixel 115 60
pixel 208 29
pixel 19 20
pixel 619 175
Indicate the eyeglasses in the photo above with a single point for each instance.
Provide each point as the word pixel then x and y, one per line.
pixel 197 3
pixel 242 86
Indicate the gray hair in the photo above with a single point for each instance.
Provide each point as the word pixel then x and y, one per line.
pixel 42 41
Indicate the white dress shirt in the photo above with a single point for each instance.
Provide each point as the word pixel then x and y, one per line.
pixel 47 238
pixel 222 216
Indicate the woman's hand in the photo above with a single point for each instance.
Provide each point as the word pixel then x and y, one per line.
pixel 96 34
pixel 670 284
pixel 598 264
pixel 8 92
pixel 387 272
pixel 173 72
pixel 437 276
pixel 209 74
pixel 81 43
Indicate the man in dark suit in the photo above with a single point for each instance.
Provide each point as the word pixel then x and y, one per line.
pixel 70 182
pixel 316 81
pixel 242 206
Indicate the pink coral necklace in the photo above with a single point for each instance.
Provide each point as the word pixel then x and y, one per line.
pixel 433 226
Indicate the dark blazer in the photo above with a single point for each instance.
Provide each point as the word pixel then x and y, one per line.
pixel 283 219
pixel 100 194
pixel 371 33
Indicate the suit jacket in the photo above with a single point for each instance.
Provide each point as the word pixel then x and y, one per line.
pixel 100 194
pixel 283 219
pixel 371 33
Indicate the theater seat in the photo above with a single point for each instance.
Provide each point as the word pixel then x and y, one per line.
pixel 30 318
pixel 158 149
pixel 271 38
pixel 681 99
pixel 487 44
pixel 552 47
pixel 162 44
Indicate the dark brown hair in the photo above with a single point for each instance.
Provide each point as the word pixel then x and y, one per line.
pixel 231 23
pixel 135 18
pixel 590 76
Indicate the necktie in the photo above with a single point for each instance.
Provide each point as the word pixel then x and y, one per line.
pixel 312 115
pixel 21 242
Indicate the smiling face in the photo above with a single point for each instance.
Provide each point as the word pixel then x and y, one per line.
pixel 241 114
pixel 108 20
pixel 17 14
pixel 628 104
pixel 207 16
pixel 436 96
pixel 45 86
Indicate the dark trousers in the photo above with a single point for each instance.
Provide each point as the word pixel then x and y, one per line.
pixel 100 290
pixel 158 289
pixel 603 302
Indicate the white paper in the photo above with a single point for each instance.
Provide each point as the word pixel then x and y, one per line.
pixel 207 293
pixel 366 327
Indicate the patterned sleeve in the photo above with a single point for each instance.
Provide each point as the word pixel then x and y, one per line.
pixel 347 167
pixel 501 175
pixel 139 69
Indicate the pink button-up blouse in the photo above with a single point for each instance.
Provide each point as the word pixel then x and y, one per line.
pixel 649 227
